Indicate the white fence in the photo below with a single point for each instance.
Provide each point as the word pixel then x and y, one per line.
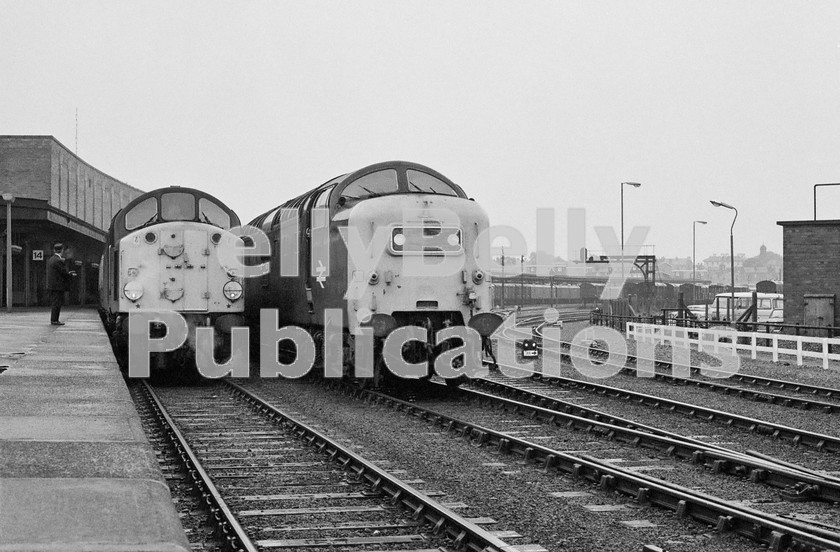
pixel 776 344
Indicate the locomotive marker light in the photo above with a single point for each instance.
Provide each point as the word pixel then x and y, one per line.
pixel 232 290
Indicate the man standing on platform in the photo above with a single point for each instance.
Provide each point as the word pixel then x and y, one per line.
pixel 57 279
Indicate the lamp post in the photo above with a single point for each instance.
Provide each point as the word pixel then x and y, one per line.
pixel 815 195
pixel 694 256
pixel 9 199
pixel 503 277
pixel 731 310
pixel 635 185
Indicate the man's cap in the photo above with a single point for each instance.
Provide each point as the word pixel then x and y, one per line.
pixel 58 247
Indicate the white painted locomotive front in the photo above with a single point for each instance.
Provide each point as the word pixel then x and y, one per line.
pixel 441 274
pixel 177 266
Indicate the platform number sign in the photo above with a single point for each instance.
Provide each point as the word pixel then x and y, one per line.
pixel 37 254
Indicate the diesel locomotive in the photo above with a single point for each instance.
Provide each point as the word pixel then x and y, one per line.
pixel 164 252
pixel 390 245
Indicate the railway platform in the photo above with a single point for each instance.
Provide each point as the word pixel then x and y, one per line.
pixel 76 470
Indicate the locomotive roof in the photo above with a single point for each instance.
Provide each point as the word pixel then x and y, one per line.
pixel 118 230
pixel 340 183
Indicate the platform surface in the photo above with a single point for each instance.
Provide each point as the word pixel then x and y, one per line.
pixel 76 470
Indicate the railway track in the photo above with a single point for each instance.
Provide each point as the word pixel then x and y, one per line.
pixel 777 431
pixel 772 530
pixel 798 482
pixel 815 390
pixel 741 392
pixel 272 482
pixel 763 395
pixel 793 435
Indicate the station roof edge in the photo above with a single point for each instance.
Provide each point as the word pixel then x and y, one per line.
pixel 70 152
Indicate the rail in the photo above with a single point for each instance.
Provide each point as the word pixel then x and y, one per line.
pixel 552 410
pixel 227 525
pixel 465 534
pixel 772 531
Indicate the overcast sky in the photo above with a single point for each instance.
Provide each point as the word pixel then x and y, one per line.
pixel 524 104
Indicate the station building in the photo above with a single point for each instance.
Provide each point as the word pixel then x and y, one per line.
pixel 812 271
pixel 56 197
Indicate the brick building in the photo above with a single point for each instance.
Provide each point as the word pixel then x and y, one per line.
pixel 811 254
pixel 57 198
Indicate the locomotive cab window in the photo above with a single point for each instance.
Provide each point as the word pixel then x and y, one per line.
pixel 177 206
pixel 424 183
pixel 211 213
pixel 323 200
pixel 371 185
pixel 141 214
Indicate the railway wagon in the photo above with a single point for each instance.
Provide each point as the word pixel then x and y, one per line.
pixel 516 293
pixel 390 245
pixel 165 252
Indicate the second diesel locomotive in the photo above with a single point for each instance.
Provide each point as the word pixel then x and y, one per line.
pixel 393 244
pixel 166 251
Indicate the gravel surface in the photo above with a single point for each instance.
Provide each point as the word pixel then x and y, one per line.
pixel 661 466
pixel 809 420
pixel 713 432
pixel 518 497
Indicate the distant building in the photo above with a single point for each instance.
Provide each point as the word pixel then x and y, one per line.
pixel 748 270
pixel 719 270
pixel 679 268
pixel 57 198
pixel 812 271
pixel 766 266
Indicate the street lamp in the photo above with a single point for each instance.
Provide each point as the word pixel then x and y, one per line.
pixel 694 255
pixel 731 259
pixel 9 199
pixel 635 185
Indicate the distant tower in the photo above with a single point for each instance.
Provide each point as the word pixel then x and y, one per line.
pixel 763 250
